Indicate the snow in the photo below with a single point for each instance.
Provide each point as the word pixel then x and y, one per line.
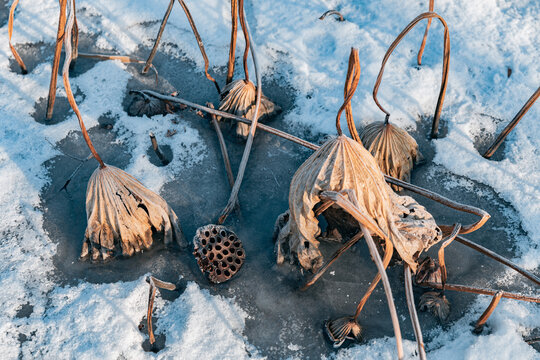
pixel 487 38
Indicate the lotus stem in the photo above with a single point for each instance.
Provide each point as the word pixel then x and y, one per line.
pixel 82 161
pixel 158 38
pixel 446 242
pixel 158 152
pixel 232 48
pixel 10 33
pixel 245 30
pixel 339 17
pixel 424 39
pixel 489 153
pixel 480 291
pixel 67 85
pixel 242 168
pixel 445 67
pixel 56 61
pixel 223 147
pixel 154 284
pixel 498 258
pixel 75 46
pixel 487 313
pixel 200 43
pixel 351 83
pixel 381 268
pixel 336 255
pixel 412 312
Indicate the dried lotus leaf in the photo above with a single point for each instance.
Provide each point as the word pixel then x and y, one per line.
pixel 239 98
pixel 123 214
pixel 144 105
pixel 344 164
pixel 394 149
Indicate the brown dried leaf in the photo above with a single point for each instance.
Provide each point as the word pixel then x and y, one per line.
pixel 394 149
pixel 122 214
pixel 239 98
pixel 344 164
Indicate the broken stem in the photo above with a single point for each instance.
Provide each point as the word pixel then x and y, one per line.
pixel 200 43
pixel 245 30
pixel 512 124
pixel 158 152
pixel 10 33
pixel 336 255
pixel 76 171
pixel 67 85
pixel 56 61
pixel 223 147
pixel 498 258
pixel 351 83
pixel 381 268
pixel 487 313
pixel 424 39
pixel 412 312
pixel 447 242
pixel 252 128
pixel 480 291
pixel 232 48
pixel 332 12
pixel 158 38
pixel 154 284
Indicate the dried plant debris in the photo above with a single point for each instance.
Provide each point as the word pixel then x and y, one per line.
pixel 344 164
pixel 435 302
pixel 394 149
pixel 239 98
pixel 428 272
pixel 145 105
pixel 342 329
pixel 219 252
pixel 123 214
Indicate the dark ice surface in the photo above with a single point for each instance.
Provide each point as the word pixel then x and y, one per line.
pixel 280 314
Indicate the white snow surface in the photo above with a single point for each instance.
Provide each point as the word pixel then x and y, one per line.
pixel 84 321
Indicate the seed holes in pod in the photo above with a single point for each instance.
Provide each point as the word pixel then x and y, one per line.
pixel 219 252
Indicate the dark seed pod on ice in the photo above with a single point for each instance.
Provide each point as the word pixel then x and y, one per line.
pixel 219 252
pixel 145 105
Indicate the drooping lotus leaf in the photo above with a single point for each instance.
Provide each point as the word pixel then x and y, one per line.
pixel 240 99
pixel 394 149
pixel 344 164
pixel 122 215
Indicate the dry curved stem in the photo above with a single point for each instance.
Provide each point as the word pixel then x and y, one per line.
pixel 247 36
pixel 424 39
pixel 56 61
pixel 489 152
pixel 445 67
pixel 351 83
pixel 339 17
pixel 412 312
pixel 222 146
pixel 247 149
pixel 394 149
pixel 154 285
pixel 199 42
pixel 232 48
pixel 10 33
pixel 446 242
pixel 487 313
pixel 148 62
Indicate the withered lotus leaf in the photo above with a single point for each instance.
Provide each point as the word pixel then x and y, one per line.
pixel 344 164
pixel 122 215
pixel 394 149
pixel 240 98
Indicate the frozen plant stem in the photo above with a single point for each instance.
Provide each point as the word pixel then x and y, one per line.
pixel 339 17
pixel 10 33
pixel 381 268
pixel 424 39
pixel 412 312
pixel 247 37
pixel 154 285
pixel 158 39
pixel 57 52
pixel 223 147
pixel 242 168
pixel 487 313
pixel 158 152
pixel 82 162
pixel 480 291
pixel 232 48
pixel 489 153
